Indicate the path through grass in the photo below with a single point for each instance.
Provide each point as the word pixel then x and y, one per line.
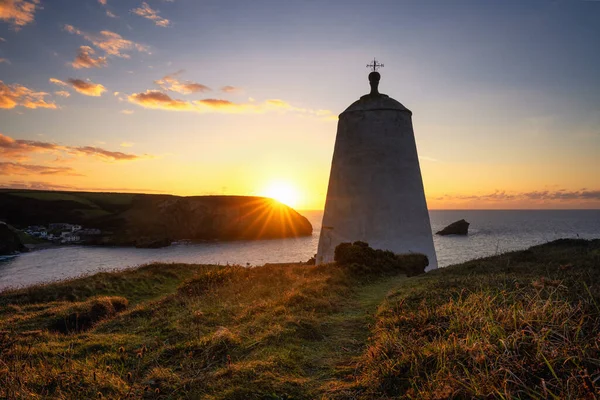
pixel 350 328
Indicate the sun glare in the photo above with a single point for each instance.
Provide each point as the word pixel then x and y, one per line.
pixel 283 192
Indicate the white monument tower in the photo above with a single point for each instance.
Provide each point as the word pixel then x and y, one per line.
pixel 375 192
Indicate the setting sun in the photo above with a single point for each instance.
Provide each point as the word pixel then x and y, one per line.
pixel 283 192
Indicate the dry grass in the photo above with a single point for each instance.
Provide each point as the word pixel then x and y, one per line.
pixel 205 338
pixel 521 325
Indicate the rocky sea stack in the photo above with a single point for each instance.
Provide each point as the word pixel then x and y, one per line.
pixel 456 228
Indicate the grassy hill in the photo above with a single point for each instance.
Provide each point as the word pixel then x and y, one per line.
pixel 29 207
pixel 519 325
pixel 129 219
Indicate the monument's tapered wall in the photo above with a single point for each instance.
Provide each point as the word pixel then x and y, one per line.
pixel 375 189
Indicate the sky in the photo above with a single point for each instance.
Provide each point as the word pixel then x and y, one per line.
pixel 241 97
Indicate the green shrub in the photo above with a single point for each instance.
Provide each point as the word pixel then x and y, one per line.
pixel 362 260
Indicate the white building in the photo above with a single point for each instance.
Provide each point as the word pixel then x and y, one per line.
pixel 69 237
pixel 375 191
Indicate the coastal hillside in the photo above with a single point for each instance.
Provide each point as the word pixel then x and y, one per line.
pixel 519 325
pixel 129 219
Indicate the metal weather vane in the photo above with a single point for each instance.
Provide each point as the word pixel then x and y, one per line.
pixel 374 65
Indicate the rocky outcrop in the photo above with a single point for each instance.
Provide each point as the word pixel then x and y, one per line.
pixel 456 228
pixel 9 240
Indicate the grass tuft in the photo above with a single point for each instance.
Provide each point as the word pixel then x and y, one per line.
pixel 83 316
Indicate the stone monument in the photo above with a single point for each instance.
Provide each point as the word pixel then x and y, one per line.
pixel 375 191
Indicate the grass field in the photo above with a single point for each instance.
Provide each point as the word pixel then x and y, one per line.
pixel 519 325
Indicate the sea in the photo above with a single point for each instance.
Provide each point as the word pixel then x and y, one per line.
pixel 490 233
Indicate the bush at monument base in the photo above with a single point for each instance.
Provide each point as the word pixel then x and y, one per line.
pixel 362 259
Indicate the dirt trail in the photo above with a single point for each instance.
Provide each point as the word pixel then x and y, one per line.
pixel 349 331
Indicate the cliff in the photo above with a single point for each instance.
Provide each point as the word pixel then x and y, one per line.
pixel 9 240
pixel 149 220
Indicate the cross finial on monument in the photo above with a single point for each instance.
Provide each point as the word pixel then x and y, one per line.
pixel 374 77
pixel 374 65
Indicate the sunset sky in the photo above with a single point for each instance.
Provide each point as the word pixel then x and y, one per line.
pixel 194 97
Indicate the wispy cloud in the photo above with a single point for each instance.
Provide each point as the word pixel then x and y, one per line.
pixel 35 185
pixel 40 185
pixel 158 100
pixel 87 88
pixel 85 59
pixel 111 43
pixel 426 158
pixel 536 195
pixel 108 12
pixel 161 101
pixel 18 13
pixel 19 148
pixel 58 82
pixel 172 83
pixel 16 168
pixel 15 95
pixel 62 93
pixel 126 112
pixel 4 60
pixel 231 89
pixel 147 12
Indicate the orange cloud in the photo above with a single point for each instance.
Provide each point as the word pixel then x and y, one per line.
pixel 58 82
pixel 4 60
pixel 102 153
pixel 171 83
pixel 15 95
pixel 87 88
pixel 158 100
pixel 18 13
pixel 230 89
pixel 155 99
pixel 18 148
pixel 85 59
pixel 15 168
pixel 503 196
pixel 278 103
pixel 62 93
pixel 111 43
pixel 38 185
pixel 147 12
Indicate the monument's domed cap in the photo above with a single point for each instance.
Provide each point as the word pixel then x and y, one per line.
pixel 375 100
